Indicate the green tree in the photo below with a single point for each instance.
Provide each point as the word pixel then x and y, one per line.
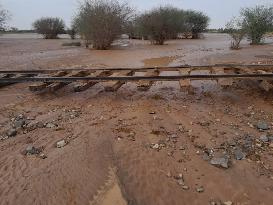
pixel 4 17
pixel 257 21
pixel 237 32
pixel 49 27
pixel 196 22
pixel 100 22
pixel 161 24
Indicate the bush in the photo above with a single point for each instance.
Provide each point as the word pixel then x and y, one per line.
pixel 257 21
pixel 161 24
pixel 4 16
pixel 196 23
pixel 237 32
pixel 102 21
pixel 164 23
pixel 50 28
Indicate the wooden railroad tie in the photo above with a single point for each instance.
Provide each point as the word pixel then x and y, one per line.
pixel 113 86
pixel 146 85
pixel 56 86
pixel 41 86
pixel 79 87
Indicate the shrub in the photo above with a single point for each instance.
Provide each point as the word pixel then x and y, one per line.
pixel 257 21
pixel 237 32
pixel 102 21
pixel 161 24
pixel 49 27
pixel 4 16
pixel 196 22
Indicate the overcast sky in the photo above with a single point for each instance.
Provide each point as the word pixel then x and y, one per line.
pixel 24 12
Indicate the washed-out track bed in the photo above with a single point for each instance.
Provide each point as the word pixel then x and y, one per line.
pixel 114 78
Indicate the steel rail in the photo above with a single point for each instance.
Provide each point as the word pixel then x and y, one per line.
pixel 135 78
pixel 167 68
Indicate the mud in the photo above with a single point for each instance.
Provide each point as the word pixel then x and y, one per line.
pixel 111 155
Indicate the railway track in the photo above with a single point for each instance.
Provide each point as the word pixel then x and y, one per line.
pixel 113 78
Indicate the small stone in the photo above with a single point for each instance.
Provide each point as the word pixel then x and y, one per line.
pixel 185 187
pixel 155 146
pixel 228 203
pixel 169 174
pixel 264 138
pixel 239 155
pixel 31 150
pixel 206 157
pixel 11 133
pixel 18 123
pixel 270 138
pixel 200 189
pixel 262 126
pixel 50 125
pixel 180 182
pixel 42 156
pixel 220 162
pixel 61 144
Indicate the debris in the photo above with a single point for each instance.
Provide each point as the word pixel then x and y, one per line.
pixel 180 182
pixel 185 187
pixel 155 146
pixel 50 125
pixel 42 156
pixel 11 132
pixel 206 157
pixel 200 189
pixel 18 123
pixel 228 203
pixel 239 155
pixel 262 126
pixel 31 150
pixel 169 174
pixel 61 144
pixel 220 162
pixel 264 138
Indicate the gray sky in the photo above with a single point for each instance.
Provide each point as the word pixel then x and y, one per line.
pixel 24 12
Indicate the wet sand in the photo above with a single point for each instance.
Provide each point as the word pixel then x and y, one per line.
pixel 111 155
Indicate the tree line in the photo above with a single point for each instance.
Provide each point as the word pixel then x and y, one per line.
pixel 100 22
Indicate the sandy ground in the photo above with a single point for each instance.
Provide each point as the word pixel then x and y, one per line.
pixel 132 147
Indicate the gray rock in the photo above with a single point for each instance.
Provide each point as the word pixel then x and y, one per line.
pixel 50 125
pixel 31 150
pixel 61 144
pixel 239 155
pixel 11 133
pixel 18 123
pixel 206 157
pixel 270 138
pixel 264 138
pixel 262 125
pixel 220 162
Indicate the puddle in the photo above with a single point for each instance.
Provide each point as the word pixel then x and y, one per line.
pixel 162 61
